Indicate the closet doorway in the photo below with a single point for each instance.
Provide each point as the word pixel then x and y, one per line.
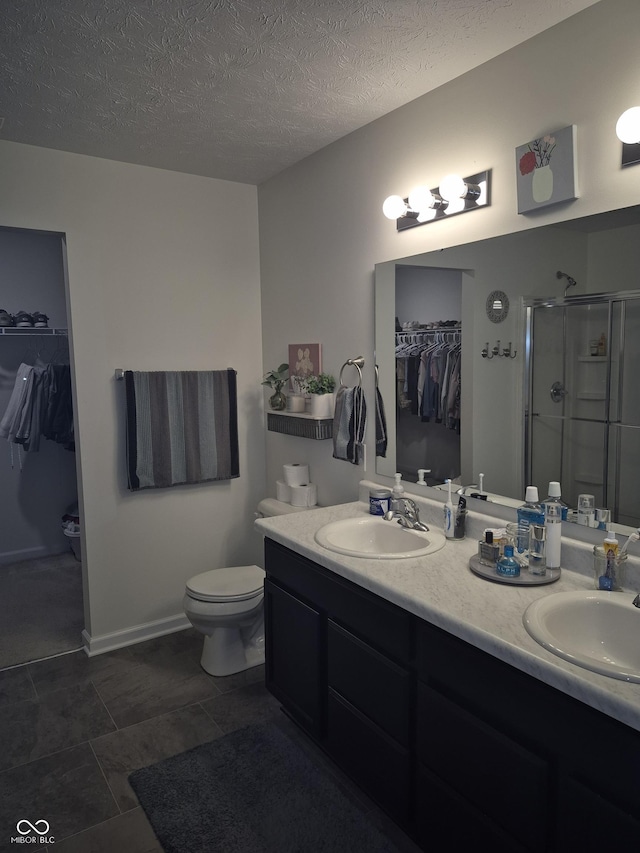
pixel 428 310
pixel 41 601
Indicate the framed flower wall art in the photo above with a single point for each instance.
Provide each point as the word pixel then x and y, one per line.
pixel 304 361
pixel 546 170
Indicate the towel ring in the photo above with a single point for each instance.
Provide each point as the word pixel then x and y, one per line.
pixel 358 363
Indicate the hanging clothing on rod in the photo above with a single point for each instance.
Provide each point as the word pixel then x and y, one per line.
pixel 428 374
pixel 40 405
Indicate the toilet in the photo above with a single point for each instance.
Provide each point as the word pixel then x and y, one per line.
pixel 226 605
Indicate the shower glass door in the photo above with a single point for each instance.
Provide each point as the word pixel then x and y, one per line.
pixel 583 420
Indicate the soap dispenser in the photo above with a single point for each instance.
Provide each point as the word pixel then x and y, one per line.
pixel 398 489
pixel 421 479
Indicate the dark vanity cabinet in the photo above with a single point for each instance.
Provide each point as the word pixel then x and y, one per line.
pixel 461 749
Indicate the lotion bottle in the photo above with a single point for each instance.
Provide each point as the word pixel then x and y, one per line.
pixel 449 519
pixel 398 489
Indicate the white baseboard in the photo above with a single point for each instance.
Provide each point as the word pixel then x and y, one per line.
pixel 8 557
pixel 131 636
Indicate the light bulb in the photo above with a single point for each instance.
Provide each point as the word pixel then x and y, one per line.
pixel 454 206
pixel 421 199
pixel 628 126
pixel 394 207
pixel 452 187
pixel 427 214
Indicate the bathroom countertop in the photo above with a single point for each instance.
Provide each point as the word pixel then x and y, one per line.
pixel 441 589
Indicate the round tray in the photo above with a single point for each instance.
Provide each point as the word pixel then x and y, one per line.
pixel 524 579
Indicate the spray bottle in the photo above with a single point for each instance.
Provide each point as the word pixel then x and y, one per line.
pixel 449 519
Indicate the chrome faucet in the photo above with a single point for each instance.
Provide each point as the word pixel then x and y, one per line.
pixel 407 513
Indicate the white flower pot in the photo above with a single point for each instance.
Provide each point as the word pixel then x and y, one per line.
pixel 323 405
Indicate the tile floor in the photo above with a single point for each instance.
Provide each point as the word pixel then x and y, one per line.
pixel 72 728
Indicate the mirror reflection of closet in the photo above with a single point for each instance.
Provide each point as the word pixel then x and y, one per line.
pixel 41 608
pixel 427 428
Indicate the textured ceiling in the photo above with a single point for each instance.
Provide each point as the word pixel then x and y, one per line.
pixel 236 89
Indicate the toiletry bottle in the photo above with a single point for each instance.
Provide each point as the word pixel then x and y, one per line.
pixel 554 496
pixel 421 479
pixel 488 550
pixel 587 510
pixel 398 489
pixel 507 566
pixel 553 523
pixel 449 520
pixel 602 345
pixel 531 512
pixel 537 549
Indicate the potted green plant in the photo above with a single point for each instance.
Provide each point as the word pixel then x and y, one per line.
pixel 321 388
pixel 276 379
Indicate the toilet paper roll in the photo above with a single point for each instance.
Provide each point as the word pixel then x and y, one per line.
pixel 296 474
pixel 283 492
pixel 304 495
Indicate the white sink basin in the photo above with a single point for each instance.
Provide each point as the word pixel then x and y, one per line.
pixel 377 539
pixel 597 630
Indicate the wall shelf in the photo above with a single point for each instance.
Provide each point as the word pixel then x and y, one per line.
pixel 300 425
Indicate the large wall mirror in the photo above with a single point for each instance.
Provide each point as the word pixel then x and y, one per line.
pixel 547 391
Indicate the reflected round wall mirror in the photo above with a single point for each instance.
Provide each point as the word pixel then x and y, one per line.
pixel 497 306
pixel 590 439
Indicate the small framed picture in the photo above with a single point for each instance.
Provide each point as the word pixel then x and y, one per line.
pixel 304 361
pixel 546 170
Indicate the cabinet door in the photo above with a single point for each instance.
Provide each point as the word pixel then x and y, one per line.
pixel 497 775
pixel 446 822
pixel 379 765
pixel 293 647
pixel 587 822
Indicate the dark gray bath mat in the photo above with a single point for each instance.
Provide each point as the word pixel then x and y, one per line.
pixel 252 791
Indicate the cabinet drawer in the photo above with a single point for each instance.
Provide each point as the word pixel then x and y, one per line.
pixel 373 683
pixel 376 762
pixel 501 778
pixel 444 821
pixel 383 625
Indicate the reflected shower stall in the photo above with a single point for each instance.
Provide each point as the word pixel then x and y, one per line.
pixel 582 417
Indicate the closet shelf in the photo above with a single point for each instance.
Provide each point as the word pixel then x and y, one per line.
pixel 30 330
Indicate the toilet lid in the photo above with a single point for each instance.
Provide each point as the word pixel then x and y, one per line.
pixel 234 583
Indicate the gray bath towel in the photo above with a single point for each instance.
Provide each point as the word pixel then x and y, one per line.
pixel 349 424
pixel 182 427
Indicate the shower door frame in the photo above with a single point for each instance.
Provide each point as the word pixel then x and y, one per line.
pixel 611 419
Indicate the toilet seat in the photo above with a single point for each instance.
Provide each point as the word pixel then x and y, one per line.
pixel 236 583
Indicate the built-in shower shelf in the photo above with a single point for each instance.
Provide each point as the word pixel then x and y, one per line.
pixel 589 479
pixel 592 359
pixel 590 395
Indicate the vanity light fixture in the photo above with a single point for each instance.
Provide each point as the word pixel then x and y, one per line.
pixel 628 132
pixel 454 195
